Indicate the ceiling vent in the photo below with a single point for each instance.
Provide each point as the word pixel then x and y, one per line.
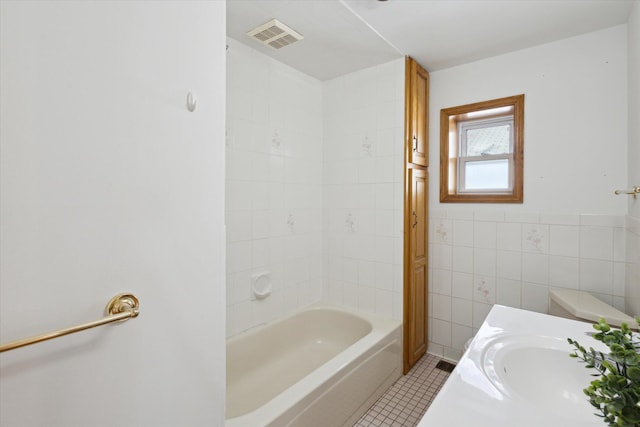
pixel 275 34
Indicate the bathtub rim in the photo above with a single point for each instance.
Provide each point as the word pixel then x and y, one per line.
pixel 382 332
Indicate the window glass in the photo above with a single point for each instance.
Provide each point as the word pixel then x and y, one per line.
pixel 487 175
pixel 482 141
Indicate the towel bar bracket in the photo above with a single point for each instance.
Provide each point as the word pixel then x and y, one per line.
pixel 122 303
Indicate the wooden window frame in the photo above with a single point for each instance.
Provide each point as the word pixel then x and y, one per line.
pixel 450 159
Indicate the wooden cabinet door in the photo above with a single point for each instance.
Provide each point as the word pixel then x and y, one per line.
pixel 416 286
pixel 417 112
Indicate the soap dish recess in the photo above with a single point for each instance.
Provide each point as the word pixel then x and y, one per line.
pixel 261 285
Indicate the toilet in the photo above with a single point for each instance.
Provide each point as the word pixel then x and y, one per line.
pixel 580 305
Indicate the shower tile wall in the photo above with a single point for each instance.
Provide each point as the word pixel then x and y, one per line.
pixel 363 189
pixel 480 258
pixel 273 186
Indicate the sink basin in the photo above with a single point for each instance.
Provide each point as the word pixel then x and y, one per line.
pixel 517 372
pixel 538 370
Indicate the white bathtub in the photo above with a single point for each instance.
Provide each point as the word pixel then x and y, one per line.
pixel 322 366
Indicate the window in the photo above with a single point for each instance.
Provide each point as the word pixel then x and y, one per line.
pixel 481 152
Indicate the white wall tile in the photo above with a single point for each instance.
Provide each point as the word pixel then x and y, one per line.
pixel 259 253
pixel 259 224
pixel 484 289
pixel 384 169
pixel 238 195
pixel 451 353
pixel 480 312
pixel 522 217
pixel 462 259
pixel 291 298
pixel 535 238
pixel 238 256
pixel 239 225
pixel 364 196
pixel 509 264
pixel 460 215
pixel 238 318
pixel 564 272
pixel 462 285
pixel 596 276
pixel 276 250
pixel 596 242
pixel 441 332
pixel 266 310
pixel 488 216
pixel 366 273
pixel 602 220
pixel 484 262
pixel 434 348
pixel 441 231
pixel 619 304
pixel 460 335
pixel 237 288
pixel 384 196
pixel 350 270
pixel 350 294
pixel 560 219
pixel 384 302
pixel 442 256
pixel 619 241
pixel 535 297
pixel 383 276
pixel 397 305
pixel 509 236
pixel 508 292
pixel 367 299
pixel 335 292
pixel 367 170
pixel 463 233
pixel 363 158
pixel 384 223
pixel 441 282
pixel 564 240
pixel 462 311
pixel 535 268
pixel 441 307
pixel 384 248
pixel 485 235
pixel 619 278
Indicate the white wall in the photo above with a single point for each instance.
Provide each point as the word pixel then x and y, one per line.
pixel 575 119
pixel 569 232
pixel 274 186
pixel 363 189
pixel 109 184
pixel 633 218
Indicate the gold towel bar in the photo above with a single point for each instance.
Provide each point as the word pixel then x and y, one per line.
pixel 634 191
pixel 121 307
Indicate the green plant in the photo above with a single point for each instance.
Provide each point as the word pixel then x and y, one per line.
pixel 616 393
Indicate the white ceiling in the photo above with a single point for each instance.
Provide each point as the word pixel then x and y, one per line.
pixel 342 36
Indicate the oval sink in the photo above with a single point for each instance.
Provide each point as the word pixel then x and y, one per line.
pixel 538 370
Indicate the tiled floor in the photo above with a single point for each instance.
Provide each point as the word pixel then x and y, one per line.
pixel 408 399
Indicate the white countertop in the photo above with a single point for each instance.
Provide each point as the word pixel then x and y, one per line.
pixel 470 397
